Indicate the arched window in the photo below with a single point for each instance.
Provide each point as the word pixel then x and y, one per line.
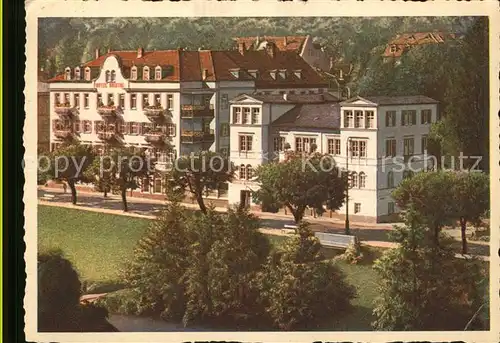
pixel 362 180
pixel 77 73
pixel 390 179
pixel 87 74
pixel 249 172
pixel 108 76
pixel 113 76
pixel 67 73
pixel 158 73
pixel 145 73
pixel 133 73
pixel 242 173
pixel 354 180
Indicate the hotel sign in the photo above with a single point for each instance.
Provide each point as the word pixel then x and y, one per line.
pixel 109 85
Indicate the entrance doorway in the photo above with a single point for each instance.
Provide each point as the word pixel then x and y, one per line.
pixel 245 197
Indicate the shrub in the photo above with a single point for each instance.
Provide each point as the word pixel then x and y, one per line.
pixel 353 254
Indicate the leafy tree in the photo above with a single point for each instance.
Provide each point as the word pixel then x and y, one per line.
pixel 299 288
pixel 59 290
pixel 198 173
pixel 422 288
pixel 300 182
pixel 471 197
pixel 69 163
pixel 430 194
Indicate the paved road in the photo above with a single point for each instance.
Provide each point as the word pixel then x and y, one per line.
pixel 376 233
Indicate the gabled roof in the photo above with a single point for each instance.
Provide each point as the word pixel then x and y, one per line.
pixel 320 116
pixel 283 43
pixel 399 44
pixel 391 100
pixel 290 98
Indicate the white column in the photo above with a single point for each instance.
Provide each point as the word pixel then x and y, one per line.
pixel 127 101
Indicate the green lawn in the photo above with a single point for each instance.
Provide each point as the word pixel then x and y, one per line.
pixel 98 245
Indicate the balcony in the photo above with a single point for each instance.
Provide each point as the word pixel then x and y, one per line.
pixel 65 111
pixel 154 112
pixel 63 134
pixel 197 111
pixel 107 136
pixel 155 137
pixel 107 112
pixel 189 136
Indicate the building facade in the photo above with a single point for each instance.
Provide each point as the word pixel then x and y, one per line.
pixel 379 140
pixel 43 112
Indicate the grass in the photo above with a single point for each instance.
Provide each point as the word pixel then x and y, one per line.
pixel 98 244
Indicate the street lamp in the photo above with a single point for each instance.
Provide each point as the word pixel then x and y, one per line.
pixel 348 150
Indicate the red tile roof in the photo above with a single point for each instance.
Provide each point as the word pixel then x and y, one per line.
pixel 398 45
pixel 283 43
pixel 190 66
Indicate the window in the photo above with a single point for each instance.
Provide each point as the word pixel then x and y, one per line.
pixel 145 73
pixel 77 73
pixel 121 100
pixel 224 129
pixel 235 73
pixel 390 147
pixel 76 99
pixel 133 73
pixel 108 76
pixel 278 143
pixel 390 179
pixel 304 144
pixel 223 151
pixel 348 119
pixel 87 126
pixel 390 207
pixel 423 144
pixel 298 74
pixel 86 100
pixel 357 207
pixel 157 185
pixel 57 99
pixel 145 185
pixel 133 101
pixel 66 98
pixel 283 74
pixel 408 147
pixel 99 126
pixel 357 148
pixel 236 115
pixel 157 98
pixel 255 115
pixel 113 76
pixel 224 102
pixel 145 100
pixel 253 73
pixel 245 143
pixel 273 74
pixel 171 129
pixel 334 146
pixel 134 128
pixel 111 99
pixel 122 128
pixel 358 118
pixel 158 73
pixel 362 180
pixel 426 116
pixel 99 100
pixel 242 172
pixel 408 117
pixel 370 119
pixel 170 101
pixel 393 48
pixel 77 126
pixel 354 180
pixel 390 118
pixel 246 115
pixel 407 174
pixel 249 172
pixel 87 74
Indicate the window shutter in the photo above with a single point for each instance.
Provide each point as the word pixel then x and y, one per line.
pixel 414 117
pixel 422 116
pixel 403 113
pixel 394 119
pixel 387 119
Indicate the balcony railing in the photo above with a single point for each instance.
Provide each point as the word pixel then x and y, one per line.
pixel 155 137
pixel 190 136
pixel 64 110
pixel 107 135
pixel 197 111
pixel 154 112
pixel 107 112
pixel 63 133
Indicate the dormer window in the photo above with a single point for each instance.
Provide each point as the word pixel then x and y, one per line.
pixel 283 74
pixel 108 76
pixel 393 48
pixel 235 73
pixel 133 73
pixel 67 73
pixel 298 74
pixel 87 74
pixel 158 73
pixel 145 73
pixel 113 76
pixel 253 73
pixel 273 74
pixel 77 73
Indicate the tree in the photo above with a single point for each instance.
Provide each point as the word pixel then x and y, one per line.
pixel 300 182
pixel 423 288
pixel 430 194
pixel 300 288
pixel 59 290
pixel 69 163
pixel 199 173
pixel 471 196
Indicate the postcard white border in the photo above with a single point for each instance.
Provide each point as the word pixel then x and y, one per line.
pixel 117 8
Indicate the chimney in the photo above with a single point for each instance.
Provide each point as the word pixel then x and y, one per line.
pixel 109 50
pixel 140 52
pixel 241 48
pixel 96 53
pixel 285 40
pixel 271 49
pixel 204 74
